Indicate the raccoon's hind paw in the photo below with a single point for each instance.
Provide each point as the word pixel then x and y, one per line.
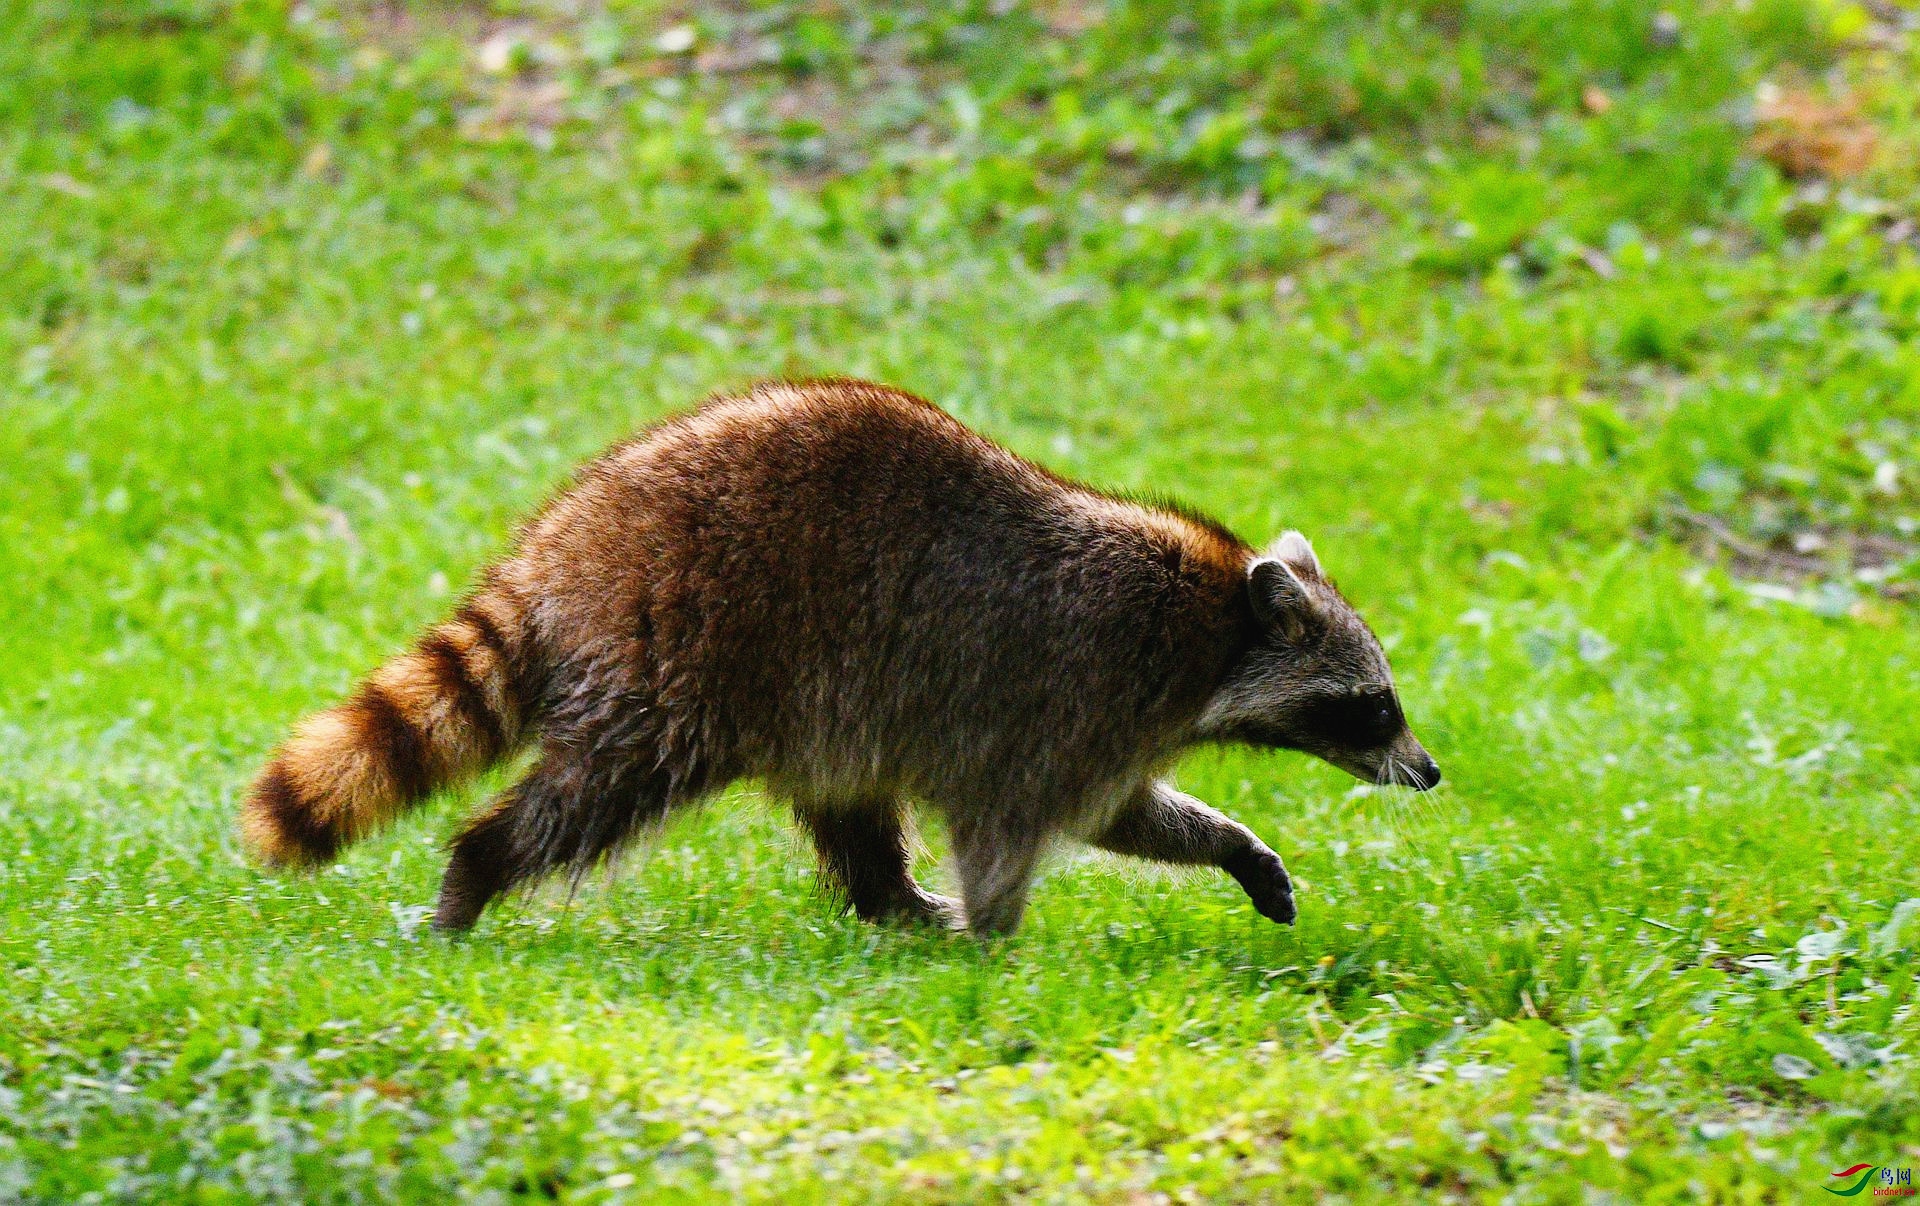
pixel 1265 879
pixel 942 912
pixel 922 908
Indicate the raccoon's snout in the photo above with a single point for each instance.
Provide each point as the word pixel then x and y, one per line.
pixel 1421 774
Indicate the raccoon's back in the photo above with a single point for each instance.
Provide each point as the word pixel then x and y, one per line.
pixel 852 581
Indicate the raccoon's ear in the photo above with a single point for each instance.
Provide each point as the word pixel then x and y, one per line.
pixel 1280 598
pixel 1297 551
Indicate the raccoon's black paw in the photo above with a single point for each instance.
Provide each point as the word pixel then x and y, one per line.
pixel 1265 879
pixel 1275 903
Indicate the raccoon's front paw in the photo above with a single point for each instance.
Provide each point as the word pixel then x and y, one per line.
pixel 1265 879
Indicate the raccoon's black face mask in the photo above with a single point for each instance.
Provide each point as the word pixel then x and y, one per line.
pixel 1316 679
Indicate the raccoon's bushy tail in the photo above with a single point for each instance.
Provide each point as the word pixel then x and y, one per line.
pixel 445 710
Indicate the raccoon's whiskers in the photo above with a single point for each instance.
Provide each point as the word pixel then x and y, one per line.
pixel 1396 796
pixel 1411 811
pixel 1419 780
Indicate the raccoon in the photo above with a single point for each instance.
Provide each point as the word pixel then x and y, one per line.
pixel 838 589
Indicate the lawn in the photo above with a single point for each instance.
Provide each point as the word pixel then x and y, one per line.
pixel 1580 336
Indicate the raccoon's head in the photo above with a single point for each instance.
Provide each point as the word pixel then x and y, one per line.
pixel 1316 678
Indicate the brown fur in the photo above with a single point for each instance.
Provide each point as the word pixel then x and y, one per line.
pixel 841 590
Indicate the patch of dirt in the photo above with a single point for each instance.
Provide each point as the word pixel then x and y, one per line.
pixel 1807 555
pixel 1809 136
pixel 398 27
pixel 1069 17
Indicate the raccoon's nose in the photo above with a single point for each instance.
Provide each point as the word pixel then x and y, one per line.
pixel 1429 775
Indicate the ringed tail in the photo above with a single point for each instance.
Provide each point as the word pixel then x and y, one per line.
pixel 439 713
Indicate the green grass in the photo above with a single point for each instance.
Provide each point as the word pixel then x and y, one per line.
pixel 301 306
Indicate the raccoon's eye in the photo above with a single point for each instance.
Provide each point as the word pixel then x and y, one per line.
pixel 1353 721
pixel 1383 716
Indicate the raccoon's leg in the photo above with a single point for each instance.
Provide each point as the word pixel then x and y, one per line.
pixel 1169 826
pixel 571 809
pixel 865 853
pixel 996 869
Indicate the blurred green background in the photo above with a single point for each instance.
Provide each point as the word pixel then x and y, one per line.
pixel 1580 336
